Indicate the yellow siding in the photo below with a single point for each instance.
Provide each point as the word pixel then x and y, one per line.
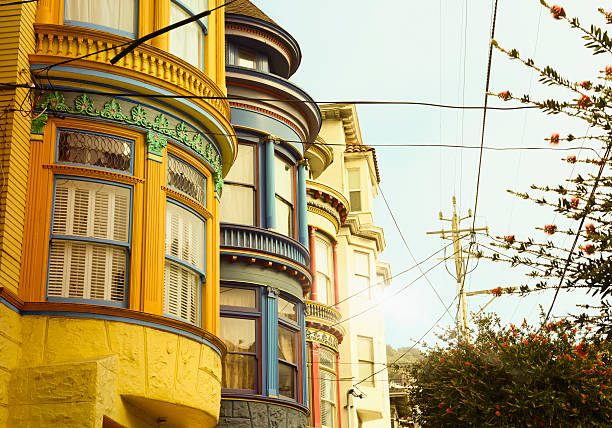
pixel 17 37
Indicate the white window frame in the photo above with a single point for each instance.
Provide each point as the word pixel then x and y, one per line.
pixel 362 360
pixel 352 189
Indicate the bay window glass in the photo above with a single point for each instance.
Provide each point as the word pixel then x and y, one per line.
pixel 354 187
pixel 187 41
pixel 185 178
pixel 184 266
pixel 240 363
pixel 118 16
pixel 238 199
pixel 324 262
pixel 93 149
pixel 365 354
pixel 238 297
pixel 89 247
pixel 328 387
pixel 287 362
pixel 287 309
pixel 361 263
pixel 283 179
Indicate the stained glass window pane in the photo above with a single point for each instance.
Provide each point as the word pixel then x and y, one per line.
pixel 94 150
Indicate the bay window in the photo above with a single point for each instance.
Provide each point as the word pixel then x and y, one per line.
pixel 90 240
pixel 94 149
pixel 185 178
pixel 187 41
pixel 238 200
pixel 116 16
pixel 284 184
pixel 328 387
pixel 288 341
pixel 184 265
pixel 324 262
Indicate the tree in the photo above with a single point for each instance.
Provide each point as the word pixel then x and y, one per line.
pixel 551 375
pixel 586 200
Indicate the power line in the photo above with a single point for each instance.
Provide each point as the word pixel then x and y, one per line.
pixel 245 98
pixel 410 348
pixel 409 250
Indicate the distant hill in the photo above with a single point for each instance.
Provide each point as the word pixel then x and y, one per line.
pixel 392 354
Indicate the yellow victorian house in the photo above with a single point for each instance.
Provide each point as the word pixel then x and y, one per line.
pixel 109 213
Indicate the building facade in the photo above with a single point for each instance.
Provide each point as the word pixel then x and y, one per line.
pixel 265 260
pixel 109 214
pixel 345 327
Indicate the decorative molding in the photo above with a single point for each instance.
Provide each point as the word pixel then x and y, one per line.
pixel 325 212
pixel 38 123
pixel 158 129
pixel 322 337
pixel 261 34
pixel 96 173
pixel 271 114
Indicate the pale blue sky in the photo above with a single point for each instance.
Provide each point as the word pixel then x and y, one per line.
pixel 436 51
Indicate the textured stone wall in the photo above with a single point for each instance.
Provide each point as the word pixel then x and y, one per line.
pixel 250 414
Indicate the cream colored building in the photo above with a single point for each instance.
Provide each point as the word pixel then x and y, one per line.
pixel 344 179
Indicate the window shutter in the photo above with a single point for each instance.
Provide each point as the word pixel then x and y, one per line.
pixel 181 292
pixel 88 270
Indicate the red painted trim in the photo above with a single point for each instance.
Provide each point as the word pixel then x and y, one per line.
pixel 313 263
pixel 316 387
pixel 338 390
pixel 336 280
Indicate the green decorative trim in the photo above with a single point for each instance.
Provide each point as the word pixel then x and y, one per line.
pixel 38 123
pixel 159 128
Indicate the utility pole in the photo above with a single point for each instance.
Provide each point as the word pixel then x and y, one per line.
pixel 455 235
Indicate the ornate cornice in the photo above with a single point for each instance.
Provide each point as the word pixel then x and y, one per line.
pixel 336 201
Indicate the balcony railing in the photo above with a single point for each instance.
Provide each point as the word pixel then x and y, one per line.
pixel 322 312
pixel 264 241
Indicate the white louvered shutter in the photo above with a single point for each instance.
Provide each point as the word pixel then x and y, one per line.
pixel 184 241
pixel 89 270
pixel 327 398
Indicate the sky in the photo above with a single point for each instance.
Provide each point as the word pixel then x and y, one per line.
pixel 437 52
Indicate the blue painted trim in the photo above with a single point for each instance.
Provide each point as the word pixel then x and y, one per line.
pixel 10 305
pixel 265 369
pixel 272 343
pixel 295 265
pixel 301 207
pixel 93 26
pixel 198 172
pixel 177 203
pixel 151 158
pixel 270 204
pixel 305 399
pixel 88 301
pixel 186 102
pixel 266 124
pixel 126 290
pixel 92 240
pixel 80 131
pixel 125 320
pixel 186 265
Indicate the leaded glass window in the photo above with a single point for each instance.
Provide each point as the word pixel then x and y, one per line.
pixel 187 179
pixel 91 149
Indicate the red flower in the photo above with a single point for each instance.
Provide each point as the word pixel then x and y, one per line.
pixel 586 84
pixel 580 350
pixel 571 159
pixel 584 101
pixel 497 413
pixel 506 95
pixel 497 407
pixel 557 12
pixel 467 363
pixel 583 396
pixel 574 203
pixel 550 229
pixel 497 291
pixel 590 229
pixel 554 139
pixel 609 17
pixel 588 249
pixel 608 71
pixel 442 359
pixel 509 239
pixel 440 406
pixel 448 410
pixel 514 333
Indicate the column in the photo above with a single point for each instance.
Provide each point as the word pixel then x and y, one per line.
pixel 270 205
pixel 316 387
pixel 271 360
pixel 336 285
pixel 338 407
pixel 313 262
pixel 301 204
